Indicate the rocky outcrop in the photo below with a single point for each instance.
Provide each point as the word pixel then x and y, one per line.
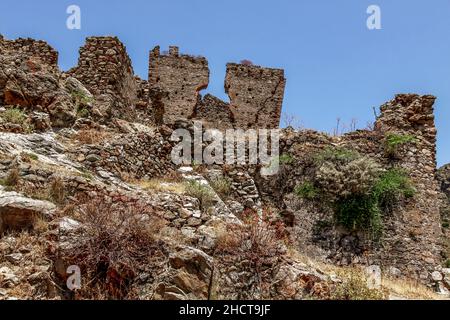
pixel 189 277
pixel 18 212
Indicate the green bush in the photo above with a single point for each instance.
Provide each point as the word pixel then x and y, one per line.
pixel 306 191
pixel 447 263
pixel 335 155
pixel 82 112
pixel 394 141
pixel 285 159
pixel 203 193
pixel 14 115
pixel 359 212
pixel 392 184
pixel 365 211
pixel 81 99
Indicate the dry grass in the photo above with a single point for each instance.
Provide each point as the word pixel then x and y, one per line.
pixel 161 185
pixel 409 289
pixel 57 191
pixel 91 136
pixel 256 248
pixel 12 178
pixel 390 287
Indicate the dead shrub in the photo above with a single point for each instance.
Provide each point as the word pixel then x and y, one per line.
pixel 12 178
pixel 91 136
pixel 117 240
pixel 57 191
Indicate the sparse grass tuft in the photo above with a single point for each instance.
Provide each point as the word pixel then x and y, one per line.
pixel 222 185
pixel 14 115
pixel 57 191
pixel 335 155
pixel 306 190
pixel 203 193
pixel 285 159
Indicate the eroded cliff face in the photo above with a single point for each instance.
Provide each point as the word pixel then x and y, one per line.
pixel 99 134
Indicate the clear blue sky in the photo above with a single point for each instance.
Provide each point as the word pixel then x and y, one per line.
pixel 335 66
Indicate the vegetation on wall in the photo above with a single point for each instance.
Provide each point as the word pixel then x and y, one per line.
pixel 356 187
pixel 394 141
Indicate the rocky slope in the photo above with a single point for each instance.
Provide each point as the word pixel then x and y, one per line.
pixel 87 183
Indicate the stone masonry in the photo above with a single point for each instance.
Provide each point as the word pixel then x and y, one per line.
pixel 175 82
pixel 256 95
pixel 30 48
pixel 412 232
pixel 105 68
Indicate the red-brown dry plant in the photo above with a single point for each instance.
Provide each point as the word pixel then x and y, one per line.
pixel 257 247
pixel 116 240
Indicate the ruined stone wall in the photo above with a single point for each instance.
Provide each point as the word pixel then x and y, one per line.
pixel 214 113
pixel 256 95
pixel 131 156
pixel 31 48
pixel 416 229
pixel 105 68
pixel 412 233
pixel 175 82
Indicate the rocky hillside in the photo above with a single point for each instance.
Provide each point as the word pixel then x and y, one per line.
pixel 87 184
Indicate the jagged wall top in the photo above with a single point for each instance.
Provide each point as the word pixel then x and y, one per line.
pixel 30 47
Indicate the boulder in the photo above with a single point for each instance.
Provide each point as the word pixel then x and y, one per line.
pixel 189 276
pixel 18 212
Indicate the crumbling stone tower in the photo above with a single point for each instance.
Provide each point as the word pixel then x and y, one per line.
pixel 416 229
pixel 256 95
pixel 175 80
pixel 174 83
pixel 105 68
